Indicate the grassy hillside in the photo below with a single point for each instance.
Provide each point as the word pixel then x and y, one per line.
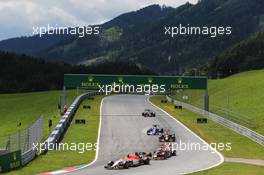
pixel 241 94
pixel 246 55
pixel 27 107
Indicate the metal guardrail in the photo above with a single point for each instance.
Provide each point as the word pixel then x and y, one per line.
pixel 256 137
pixel 28 156
pixel 61 128
pixel 233 116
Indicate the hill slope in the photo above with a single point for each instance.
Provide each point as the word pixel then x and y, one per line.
pixel 27 107
pixel 145 43
pixel 31 44
pixel 34 44
pixel 139 36
pixel 246 55
pixel 241 93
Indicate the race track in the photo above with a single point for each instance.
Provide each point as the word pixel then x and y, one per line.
pixel 123 131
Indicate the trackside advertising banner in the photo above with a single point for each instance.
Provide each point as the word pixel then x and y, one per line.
pixel 10 161
pixel 169 82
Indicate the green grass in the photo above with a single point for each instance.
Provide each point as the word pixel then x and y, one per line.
pixel 87 133
pixel 27 107
pixel 214 133
pixel 232 169
pixel 241 93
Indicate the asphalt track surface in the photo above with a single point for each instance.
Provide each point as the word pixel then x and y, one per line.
pixel 123 131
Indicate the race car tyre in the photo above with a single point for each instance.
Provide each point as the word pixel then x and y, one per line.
pixel 146 162
pixel 174 153
pixel 126 166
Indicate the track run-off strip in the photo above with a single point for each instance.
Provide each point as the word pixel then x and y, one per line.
pixel 245 161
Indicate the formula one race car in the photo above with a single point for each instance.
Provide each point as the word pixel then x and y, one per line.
pixel 118 165
pixel 137 159
pixel 164 152
pixel 148 113
pixel 167 137
pixel 155 130
pixel 145 157
pixel 160 154
pixel 168 147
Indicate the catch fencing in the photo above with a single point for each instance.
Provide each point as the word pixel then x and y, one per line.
pixel 218 119
pixel 23 140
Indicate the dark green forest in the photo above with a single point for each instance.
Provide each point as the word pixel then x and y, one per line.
pixel 244 56
pixel 22 73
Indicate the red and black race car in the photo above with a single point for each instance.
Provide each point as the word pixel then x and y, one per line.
pixel 145 157
pixel 148 113
pixel 167 136
pixel 164 152
pixel 168 147
pixel 137 159
pixel 159 154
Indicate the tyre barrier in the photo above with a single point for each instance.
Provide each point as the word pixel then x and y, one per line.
pixel 163 101
pixel 86 107
pixel 178 106
pixel 61 128
pixel 201 120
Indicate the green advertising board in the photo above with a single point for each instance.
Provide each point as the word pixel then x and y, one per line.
pixel 10 161
pixel 170 82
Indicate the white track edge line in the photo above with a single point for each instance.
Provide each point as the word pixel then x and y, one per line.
pixel 219 154
pixel 98 140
